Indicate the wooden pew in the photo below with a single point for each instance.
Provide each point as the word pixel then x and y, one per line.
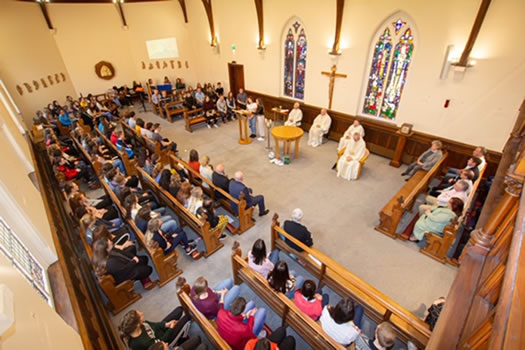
pixel 210 237
pixel 190 118
pixel 308 329
pixel 208 327
pixel 392 212
pixel 64 130
pixel 166 265
pixel 437 244
pixel 129 164
pixel 173 108
pixel 153 147
pixel 244 214
pixel 377 306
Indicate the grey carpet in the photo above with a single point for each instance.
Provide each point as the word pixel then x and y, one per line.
pixel 341 215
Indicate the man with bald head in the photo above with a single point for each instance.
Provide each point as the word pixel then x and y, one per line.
pixel 295 116
pixel 220 180
pixel 297 230
pixel 237 187
pixel 319 128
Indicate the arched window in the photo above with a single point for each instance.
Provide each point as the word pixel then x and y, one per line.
pixel 294 73
pixel 389 69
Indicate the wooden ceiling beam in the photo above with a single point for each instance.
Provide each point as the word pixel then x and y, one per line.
pixel 484 7
pixel 336 48
pixel 88 1
pixel 121 13
pixel 184 12
pixel 46 14
pixel 209 13
pixel 260 21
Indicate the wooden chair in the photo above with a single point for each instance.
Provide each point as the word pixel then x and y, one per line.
pixel 191 117
pixel 208 327
pixel 210 237
pixel 64 130
pixel 291 315
pixel 439 244
pixel 243 214
pixel 377 306
pixel 392 212
pixel 120 296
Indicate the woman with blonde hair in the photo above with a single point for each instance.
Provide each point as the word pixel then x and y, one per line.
pixel 195 201
pixel 206 170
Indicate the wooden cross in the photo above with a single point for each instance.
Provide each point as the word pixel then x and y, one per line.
pixel 332 75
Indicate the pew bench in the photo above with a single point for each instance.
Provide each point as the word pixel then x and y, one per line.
pixel 291 315
pixel 152 146
pixel 208 327
pixel 192 117
pixel 392 212
pixel 129 164
pixel 174 108
pixel 165 265
pixel 377 306
pixel 243 214
pixel 210 237
pixel 437 245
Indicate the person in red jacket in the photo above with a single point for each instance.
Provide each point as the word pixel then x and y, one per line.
pixel 231 325
pixel 278 340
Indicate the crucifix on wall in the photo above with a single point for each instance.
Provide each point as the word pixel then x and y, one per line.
pixel 332 75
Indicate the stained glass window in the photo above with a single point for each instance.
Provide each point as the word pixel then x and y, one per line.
pixel 382 99
pixel 17 253
pixel 295 47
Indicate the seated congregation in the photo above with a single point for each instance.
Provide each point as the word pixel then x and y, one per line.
pixel 155 205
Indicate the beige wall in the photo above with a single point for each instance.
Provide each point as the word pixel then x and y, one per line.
pixel 484 101
pixel 37 325
pixel 29 52
pixel 84 41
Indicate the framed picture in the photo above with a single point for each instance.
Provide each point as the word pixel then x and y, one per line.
pixel 104 70
pixel 406 128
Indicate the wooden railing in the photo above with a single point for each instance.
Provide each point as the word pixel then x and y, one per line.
pixel 95 328
pixel 377 306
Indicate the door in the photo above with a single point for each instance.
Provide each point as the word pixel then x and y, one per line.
pixel 236 74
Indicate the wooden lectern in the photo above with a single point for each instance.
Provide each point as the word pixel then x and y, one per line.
pixel 244 136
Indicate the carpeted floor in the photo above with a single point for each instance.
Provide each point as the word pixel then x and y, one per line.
pixel 341 215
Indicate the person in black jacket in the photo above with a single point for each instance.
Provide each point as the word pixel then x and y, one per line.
pixel 220 180
pixel 123 264
pixel 297 230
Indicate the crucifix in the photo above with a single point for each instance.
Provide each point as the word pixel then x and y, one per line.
pixel 332 75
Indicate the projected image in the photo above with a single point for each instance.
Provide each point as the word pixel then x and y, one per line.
pixel 162 48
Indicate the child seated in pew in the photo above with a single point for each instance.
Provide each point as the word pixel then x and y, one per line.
pixel 261 262
pixel 79 201
pixel 309 300
pixel 195 201
pixel 88 223
pixel 278 340
pixel 283 281
pixel 206 300
pixel 122 145
pixel 164 142
pixel 384 339
pixel 194 161
pixel 241 323
pixel 140 334
pixel 220 222
pixel 169 182
pixel 123 264
pixel 119 238
pixel 167 240
pixel 342 322
pixel 184 193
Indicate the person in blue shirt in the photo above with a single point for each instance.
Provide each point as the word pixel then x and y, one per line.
pixel 199 97
pixel 236 187
pixel 63 117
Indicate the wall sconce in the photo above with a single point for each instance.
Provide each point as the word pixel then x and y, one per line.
pixel 452 60
pixel 261 45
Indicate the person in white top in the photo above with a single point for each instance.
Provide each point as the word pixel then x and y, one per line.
pixel 460 190
pixel 252 106
pixel 206 170
pixel 347 136
pixel 320 126
pixel 295 116
pixel 480 152
pixel 338 321
pixel 348 165
pixel 195 201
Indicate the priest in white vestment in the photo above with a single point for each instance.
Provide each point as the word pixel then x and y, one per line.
pixel 295 116
pixel 320 127
pixel 348 165
pixel 347 136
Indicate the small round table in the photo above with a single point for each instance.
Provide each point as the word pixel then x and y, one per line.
pixel 288 134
